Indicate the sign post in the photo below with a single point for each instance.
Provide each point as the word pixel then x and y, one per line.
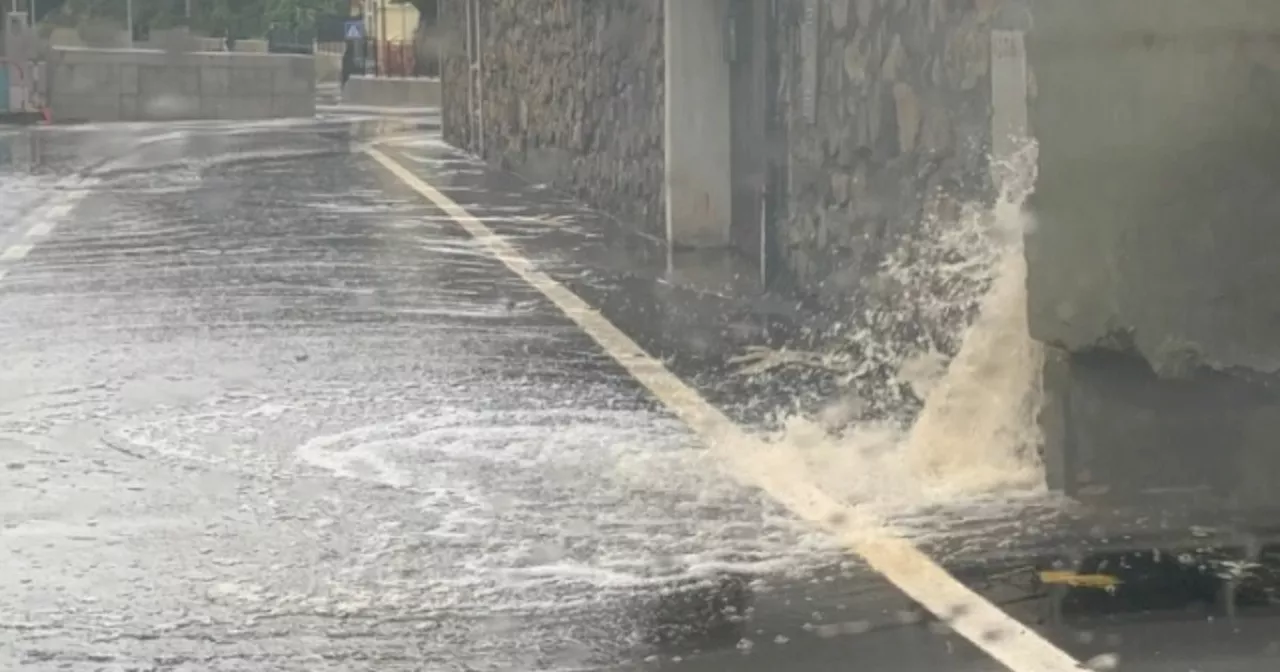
pixel 353 33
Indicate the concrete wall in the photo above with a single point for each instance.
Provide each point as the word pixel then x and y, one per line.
pixel 1153 262
pixel 94 34
pixel 108 35
pixel 129 85
pixel 697 124
pixel 328 67
pixel 250 46
pixel 572 96
pixel 391 91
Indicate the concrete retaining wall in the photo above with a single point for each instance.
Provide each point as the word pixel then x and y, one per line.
pixel 251 46
pixel 105 35
pixel 328 67
pixel 391 91
pixel 141 85
pixel 96 35
pixel 1152 264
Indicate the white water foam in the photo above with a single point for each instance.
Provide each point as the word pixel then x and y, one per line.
pixel 941 394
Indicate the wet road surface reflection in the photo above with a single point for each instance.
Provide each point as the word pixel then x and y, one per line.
pixel 265 409
pixel 262 411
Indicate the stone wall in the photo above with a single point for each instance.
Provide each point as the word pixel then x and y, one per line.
pixel 900 119
pixel 572 97
pixel 455 121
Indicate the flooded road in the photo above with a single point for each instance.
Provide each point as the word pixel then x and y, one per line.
pixel 266 408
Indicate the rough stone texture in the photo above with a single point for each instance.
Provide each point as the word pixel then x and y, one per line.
pixel 902 116
pixel 1153 261
pixel 572 96
pixel 455 118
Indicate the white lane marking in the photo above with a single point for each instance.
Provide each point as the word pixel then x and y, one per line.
pixel 985 625
pixel 46 219
pixel 15 252
pixel 381 110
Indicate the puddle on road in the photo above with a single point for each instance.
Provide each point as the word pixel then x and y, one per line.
pixel 559 495
pixel 503 500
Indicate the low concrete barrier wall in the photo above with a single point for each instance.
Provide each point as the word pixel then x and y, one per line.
pixel 392 91
pixel 104 37
pixel 209 43
pixel 148 85
pixel 328 67
pixel 97 35
pixel 251 46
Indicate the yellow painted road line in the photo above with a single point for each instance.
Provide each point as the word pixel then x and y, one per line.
pixel 1063 578
pixel 748 457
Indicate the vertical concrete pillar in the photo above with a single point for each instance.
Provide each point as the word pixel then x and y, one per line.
pixel 1009 105
pixel 697 180
pixel 1152 259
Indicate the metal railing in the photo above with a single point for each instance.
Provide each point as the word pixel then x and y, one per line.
pixel 291 40
pixel 391 58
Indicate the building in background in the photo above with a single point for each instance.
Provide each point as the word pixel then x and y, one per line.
pixel 20 72
pixel 390 21
pixel 390 29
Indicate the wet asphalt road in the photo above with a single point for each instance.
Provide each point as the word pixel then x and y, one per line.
pixel 265 409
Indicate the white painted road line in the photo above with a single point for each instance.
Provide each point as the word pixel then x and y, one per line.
pixel 41 229
pixel 985 625
pixel 46 219
pixel 15 252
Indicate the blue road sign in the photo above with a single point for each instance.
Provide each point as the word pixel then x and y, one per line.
pixel 353 30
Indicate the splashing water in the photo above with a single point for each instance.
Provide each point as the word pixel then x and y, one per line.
pixel 940 398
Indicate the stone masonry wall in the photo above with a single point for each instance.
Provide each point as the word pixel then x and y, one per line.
pixel 901 116
pixel 572 96
pixel 453 73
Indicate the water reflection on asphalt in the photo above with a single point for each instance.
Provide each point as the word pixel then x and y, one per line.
pixel 264 409
pixel 264 412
